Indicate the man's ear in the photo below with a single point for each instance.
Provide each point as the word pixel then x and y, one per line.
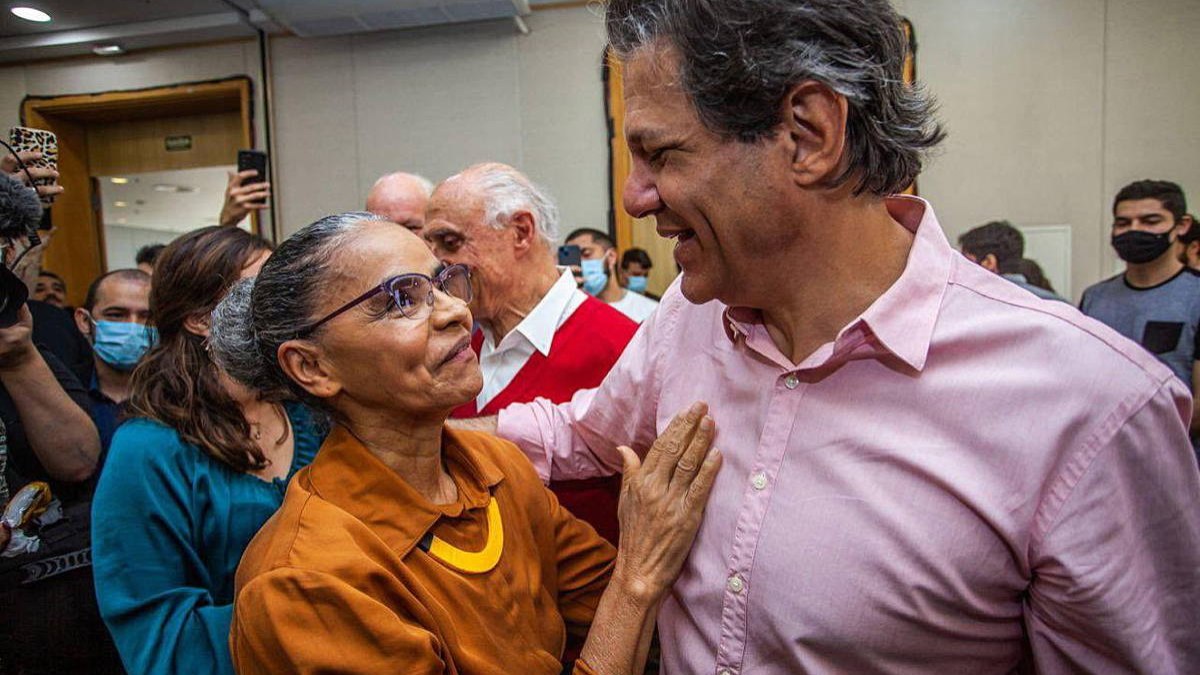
pixel 303 362
pixel 83 321
pixel 1186 223
pixel 990 263
pixel 198 324
pixel 524 231
pixel 815 118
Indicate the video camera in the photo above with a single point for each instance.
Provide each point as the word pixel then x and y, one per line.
pixel 20 214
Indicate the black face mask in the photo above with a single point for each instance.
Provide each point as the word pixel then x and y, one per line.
pixel 1141 247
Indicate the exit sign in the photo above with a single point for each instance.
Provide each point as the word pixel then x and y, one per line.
pixel 178 143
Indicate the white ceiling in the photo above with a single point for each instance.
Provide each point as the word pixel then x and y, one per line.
pixel 79 25
pixel 146 208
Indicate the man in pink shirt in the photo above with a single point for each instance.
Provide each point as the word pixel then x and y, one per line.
pixel 927 470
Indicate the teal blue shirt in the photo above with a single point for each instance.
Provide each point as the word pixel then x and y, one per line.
pixel 169 525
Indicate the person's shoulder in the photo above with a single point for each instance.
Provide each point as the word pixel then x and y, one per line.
pixel 1117 281
pixel 142 442
pixel 1019 322
pixel 606 325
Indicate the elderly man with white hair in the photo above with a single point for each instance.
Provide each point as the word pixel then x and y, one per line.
pixel 401 198
pixel 539 336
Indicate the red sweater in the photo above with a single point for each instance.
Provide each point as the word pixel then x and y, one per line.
pixel 584 349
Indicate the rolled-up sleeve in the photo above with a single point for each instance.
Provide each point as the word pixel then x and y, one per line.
pixel 578 439
pixel 1116 562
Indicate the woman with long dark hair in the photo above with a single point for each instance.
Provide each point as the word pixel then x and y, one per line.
pixel 193 475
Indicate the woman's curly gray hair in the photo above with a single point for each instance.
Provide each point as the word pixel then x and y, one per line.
pixel 739 58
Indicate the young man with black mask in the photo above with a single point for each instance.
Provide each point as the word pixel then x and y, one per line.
pixel 1155 302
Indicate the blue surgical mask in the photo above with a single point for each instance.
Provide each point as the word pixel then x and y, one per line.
pixel 594 276
pixel 122 344
pixel 637 284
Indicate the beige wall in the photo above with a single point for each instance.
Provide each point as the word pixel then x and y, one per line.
pixel 1051 105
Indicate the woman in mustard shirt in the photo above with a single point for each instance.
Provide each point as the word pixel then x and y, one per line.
pixel 409 547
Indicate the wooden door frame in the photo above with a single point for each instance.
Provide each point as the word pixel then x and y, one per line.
pixel 77 250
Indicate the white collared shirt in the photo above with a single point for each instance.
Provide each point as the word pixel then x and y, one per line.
pixel 635 306
pixel 501 363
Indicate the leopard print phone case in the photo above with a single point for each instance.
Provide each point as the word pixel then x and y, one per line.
pixel 24 139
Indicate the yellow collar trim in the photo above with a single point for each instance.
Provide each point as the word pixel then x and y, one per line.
pixel 471 562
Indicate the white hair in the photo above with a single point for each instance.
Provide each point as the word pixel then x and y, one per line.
pixel 507 191
pixel 425 183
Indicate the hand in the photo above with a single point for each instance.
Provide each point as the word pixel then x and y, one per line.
pixel 241 199
pixel 16 341
pixel 10 166
pixel 662 501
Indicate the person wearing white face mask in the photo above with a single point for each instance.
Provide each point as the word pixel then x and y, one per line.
pixel 600 278
pixel 116 320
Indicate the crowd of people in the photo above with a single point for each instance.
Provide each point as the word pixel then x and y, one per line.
pixel 408 439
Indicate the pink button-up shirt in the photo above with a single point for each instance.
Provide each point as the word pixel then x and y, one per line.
pixel 966 475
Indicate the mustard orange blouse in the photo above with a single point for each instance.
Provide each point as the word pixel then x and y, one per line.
pixel 339 580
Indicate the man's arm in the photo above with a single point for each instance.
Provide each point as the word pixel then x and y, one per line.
pixel 1116 549
pixel 579 439
pixel 60 433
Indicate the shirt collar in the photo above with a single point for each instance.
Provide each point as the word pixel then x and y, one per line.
pixel 900 321
pixel 542 322
pixel 349 476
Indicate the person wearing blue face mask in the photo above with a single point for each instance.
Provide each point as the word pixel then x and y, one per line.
pixel 635 272
pixel 115 317
pixel 600 278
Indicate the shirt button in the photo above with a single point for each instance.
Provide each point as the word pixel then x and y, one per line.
pixel 791 382
pixel 724 671
pixel 759 481
pixel 735 584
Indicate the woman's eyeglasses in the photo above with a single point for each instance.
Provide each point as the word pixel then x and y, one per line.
pixel 411 293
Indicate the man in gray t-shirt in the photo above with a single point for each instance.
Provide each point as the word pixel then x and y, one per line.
pixel 1156 301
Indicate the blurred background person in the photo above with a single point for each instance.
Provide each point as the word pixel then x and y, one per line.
pixel 1155 301
pixel 115 318
pixel 146 256
pixel 998 247
pixel 50 289
pixel 50 622
pixel 243 194
pixel 635 272
pixel 1034 274
pixel 401 198
pixel 600 278
pixel 199 466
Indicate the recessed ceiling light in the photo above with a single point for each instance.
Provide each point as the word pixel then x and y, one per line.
pixel 119 181
pixel 31 14
pixel 108 50
pixel 120 204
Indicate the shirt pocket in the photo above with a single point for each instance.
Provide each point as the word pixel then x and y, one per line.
pixel 1161 337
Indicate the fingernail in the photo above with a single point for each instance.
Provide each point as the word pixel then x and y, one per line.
pixel 697 408
pixel 707 423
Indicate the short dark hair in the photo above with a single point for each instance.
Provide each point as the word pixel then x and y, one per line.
pixel 636 256
pixel 1192 233
pixel 134 275
pixel 998 238
pixel 1034 275
pixel 147 254
pixel 597 236
pixel 52 275
pixel 738 60
pixel 1166 192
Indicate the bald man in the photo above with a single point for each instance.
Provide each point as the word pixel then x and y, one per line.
pixel 401 198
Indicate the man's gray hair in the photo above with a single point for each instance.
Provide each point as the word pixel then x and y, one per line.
pixel 739 58
pixel 507 191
